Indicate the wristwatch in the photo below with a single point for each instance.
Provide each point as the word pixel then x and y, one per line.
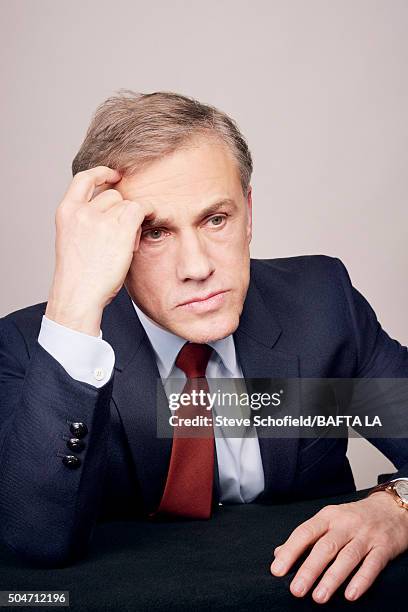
pixel 398 489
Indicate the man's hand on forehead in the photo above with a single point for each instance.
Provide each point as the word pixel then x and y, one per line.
pixel 97 234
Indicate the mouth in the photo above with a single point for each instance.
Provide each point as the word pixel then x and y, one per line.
pixel 212 301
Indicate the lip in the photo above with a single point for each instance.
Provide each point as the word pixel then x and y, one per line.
pixel 212 301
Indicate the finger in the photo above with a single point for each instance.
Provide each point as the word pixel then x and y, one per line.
pixel 106 200
pixel 84 183
pixel 131 212
pixel 372 565
pixel 136 213
pixel 137 240
pixel 303 536
pixel 347 559
pixel 325 549
pixel 130 216
pixel 100 189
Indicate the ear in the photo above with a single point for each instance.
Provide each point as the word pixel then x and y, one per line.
pixel 249 210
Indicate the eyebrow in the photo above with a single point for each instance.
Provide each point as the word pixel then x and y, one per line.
pixel 166 221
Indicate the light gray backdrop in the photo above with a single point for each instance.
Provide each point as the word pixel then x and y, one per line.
pixel 320 89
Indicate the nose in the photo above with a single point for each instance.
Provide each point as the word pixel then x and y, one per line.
pixel 193 261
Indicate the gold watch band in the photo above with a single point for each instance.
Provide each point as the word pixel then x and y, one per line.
pixel 388 486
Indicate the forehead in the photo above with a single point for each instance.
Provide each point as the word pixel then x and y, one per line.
pixel 195 174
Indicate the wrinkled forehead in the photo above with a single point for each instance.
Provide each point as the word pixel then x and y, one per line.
pixel 194 176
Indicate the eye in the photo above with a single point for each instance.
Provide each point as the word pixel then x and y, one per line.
pixel 153 234
pixel 217 220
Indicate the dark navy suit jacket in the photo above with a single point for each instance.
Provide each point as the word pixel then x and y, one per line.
pixel 301 318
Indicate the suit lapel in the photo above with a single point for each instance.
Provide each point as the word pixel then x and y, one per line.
pixel 136 391
pixel 255 341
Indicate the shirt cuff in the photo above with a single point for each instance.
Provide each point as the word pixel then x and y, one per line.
pixel 86 358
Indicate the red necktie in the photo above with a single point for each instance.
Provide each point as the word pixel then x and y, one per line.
pixel 189 484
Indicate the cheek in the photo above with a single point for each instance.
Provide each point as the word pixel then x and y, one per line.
pixel 231 245
pixel 150 275
pixel 233 236
pixel 152 261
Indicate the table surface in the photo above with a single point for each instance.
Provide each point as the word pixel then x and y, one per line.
pixel 219 564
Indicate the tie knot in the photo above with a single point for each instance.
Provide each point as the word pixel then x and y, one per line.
pixel 193 359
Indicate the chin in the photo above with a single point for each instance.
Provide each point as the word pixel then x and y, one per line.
pixel 204 332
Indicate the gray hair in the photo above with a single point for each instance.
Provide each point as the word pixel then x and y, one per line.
pixel 130 130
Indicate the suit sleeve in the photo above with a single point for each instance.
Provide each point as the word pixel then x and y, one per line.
pixel 379 356
pixel 47 509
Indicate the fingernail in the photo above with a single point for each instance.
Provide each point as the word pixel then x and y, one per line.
pixel 321 593
pixel 351 593
pixel 299 586
pixel 277 567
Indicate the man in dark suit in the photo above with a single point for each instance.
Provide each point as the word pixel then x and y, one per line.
pixel 153 279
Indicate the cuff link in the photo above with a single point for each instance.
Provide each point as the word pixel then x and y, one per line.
pixel 99 373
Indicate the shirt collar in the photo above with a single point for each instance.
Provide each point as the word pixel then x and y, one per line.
pixel 167 345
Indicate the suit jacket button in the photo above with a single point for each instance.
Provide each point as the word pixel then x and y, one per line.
pixel 79 430
pixel 71 461
pixel 76 445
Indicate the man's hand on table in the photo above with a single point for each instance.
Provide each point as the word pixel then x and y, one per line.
pixel 373 530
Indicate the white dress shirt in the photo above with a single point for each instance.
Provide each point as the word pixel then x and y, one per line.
pixel 91 359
